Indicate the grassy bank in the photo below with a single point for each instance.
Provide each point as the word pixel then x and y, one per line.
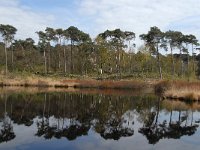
pixel 31 81
pixel 75 82
pixel 181 90
pixel 178 89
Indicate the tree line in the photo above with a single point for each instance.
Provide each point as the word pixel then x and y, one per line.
pixel 73 52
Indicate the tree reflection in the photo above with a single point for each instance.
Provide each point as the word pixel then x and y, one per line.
pixel 110 123
pixel 156 131
pixel 113 129
pixel 22 114
pixel 69 115
pixel 71 131
pixel 6 132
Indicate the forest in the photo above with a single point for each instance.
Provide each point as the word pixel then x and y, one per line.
pixel 113 54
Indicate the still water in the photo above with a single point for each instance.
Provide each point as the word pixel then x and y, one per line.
pixel 77 121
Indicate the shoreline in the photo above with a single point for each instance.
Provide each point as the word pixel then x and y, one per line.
pixel 177 90
pixel 76 83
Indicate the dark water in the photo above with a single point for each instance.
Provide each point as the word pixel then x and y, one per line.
pixel 96 122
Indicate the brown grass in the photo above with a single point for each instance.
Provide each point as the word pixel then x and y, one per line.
pixel 179 90
pixel 106 84
pixel 32 81
pixel 36 81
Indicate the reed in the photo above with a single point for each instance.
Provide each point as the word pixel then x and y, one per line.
pixel 107 84
pixel 39 81
pixel 179 90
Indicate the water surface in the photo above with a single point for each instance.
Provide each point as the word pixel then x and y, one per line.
pixel 64 120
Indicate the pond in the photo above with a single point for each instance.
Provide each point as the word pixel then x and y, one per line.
pixel 96 121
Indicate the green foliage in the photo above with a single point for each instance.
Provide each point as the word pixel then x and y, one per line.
pixel 72 52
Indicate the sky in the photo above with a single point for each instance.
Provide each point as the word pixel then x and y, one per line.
pixel 96 16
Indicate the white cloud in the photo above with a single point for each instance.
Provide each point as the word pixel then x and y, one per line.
pixel 23 18
pixel 140 15
pixel 95 16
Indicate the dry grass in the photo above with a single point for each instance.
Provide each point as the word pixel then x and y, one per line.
pixel 180 90
pixel 36 81
pixel 107 84
pixel 32 81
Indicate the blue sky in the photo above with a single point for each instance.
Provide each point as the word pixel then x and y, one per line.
pixel 45 4
pixel 95 16
pixel 64 12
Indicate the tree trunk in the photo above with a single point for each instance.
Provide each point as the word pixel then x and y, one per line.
pixel 71 59
pixel 170 120
pixel 118 62
pixel 192 118
pixel 181 62
pixel 130 61
pixel 158 61
pixel 193 65
pixel 188 63
pixel 6 57
pixel 157 111
pixel 45 62
pixel 179 116
pixel 173 65
pixel 59 62
pixel 49 58
pixel 65 62
pixel 5 109
pixel 12 55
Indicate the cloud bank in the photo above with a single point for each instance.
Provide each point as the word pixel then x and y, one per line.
pixel 140 15
pixel 95 16
pixel 23 18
